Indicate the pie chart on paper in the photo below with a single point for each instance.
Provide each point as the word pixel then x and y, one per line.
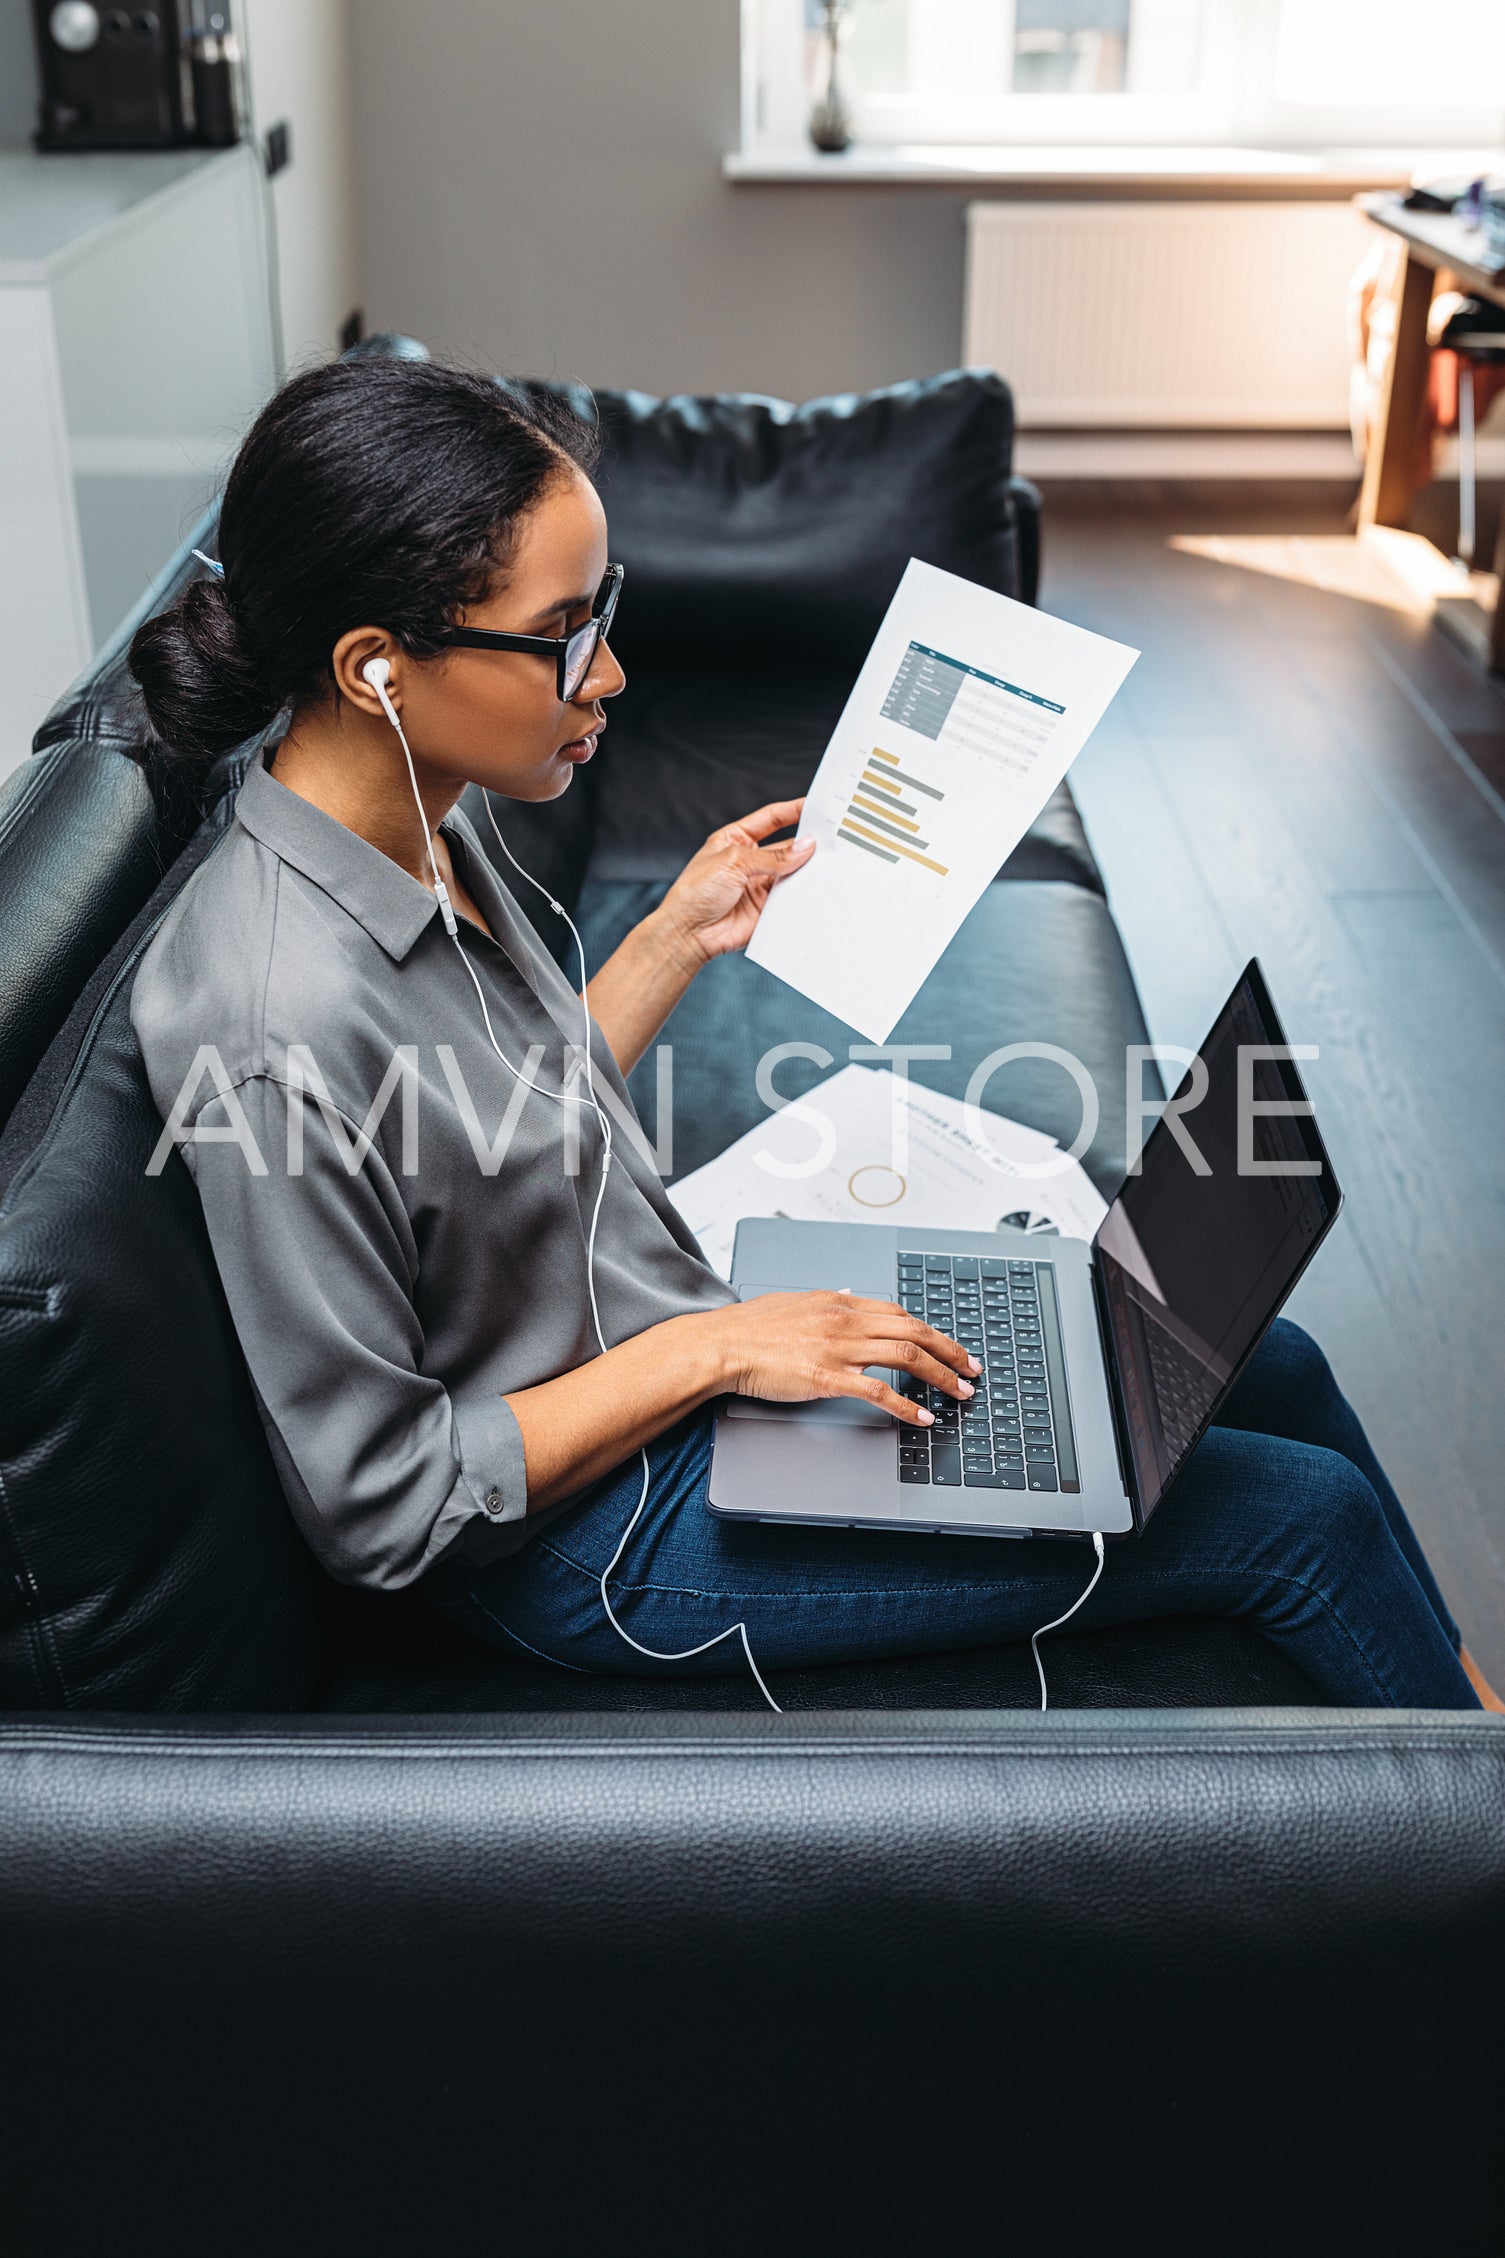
pixel 1035 1220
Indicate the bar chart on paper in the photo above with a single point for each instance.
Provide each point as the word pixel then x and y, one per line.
pixel 893 809
pixel 880 818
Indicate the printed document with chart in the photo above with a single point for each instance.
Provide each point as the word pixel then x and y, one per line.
pixel 967 714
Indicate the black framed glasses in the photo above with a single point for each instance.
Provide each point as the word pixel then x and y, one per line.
pixel 574 655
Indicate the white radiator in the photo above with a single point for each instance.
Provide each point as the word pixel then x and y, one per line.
pixel 1127 316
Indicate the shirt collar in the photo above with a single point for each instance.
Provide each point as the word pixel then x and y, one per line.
pixel 368 885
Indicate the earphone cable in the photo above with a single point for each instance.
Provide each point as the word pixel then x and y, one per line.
pixel 735 1629
pixel 1097 1546
pixel 451 926
pixel 588 1062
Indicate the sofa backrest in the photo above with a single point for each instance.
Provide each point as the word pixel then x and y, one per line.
pixel 760 530
pixel 85 835
pixel 147 1557
pixel 762 542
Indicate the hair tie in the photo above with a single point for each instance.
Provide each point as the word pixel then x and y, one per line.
pixel 212 562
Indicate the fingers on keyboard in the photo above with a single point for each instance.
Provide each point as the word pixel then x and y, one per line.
pixel 1002 1438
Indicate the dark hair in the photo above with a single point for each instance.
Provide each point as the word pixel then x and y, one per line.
pixel 380 491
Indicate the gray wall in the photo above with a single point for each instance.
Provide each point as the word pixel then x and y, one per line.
pixel 540 190
pixel 18 73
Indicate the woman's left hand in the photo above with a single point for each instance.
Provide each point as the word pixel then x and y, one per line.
pixel 716 901
pixel 710 909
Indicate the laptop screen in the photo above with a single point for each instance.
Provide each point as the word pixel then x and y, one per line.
pixel 1203 1244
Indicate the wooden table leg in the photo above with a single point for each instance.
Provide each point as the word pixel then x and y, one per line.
pixel 1395 468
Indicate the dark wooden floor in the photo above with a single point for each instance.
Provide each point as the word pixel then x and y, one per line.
pixel 1301 768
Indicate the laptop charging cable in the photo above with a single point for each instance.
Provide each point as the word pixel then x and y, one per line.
pixel 1097 1546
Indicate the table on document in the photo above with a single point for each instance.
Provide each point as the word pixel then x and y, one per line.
pixel 894 810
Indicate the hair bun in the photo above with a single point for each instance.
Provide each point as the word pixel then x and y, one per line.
pixel 204 690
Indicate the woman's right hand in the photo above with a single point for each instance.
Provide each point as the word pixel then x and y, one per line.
pixel 786 1348
pixel 792 1348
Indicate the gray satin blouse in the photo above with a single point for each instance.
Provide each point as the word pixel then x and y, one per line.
pixel 401 1230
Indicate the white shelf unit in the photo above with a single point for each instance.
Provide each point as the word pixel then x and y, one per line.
pixel 136 344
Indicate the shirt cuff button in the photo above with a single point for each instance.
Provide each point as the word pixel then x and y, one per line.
pixel 493 1501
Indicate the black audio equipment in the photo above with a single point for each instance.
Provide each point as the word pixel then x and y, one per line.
pixel 211 65
pixel 112 78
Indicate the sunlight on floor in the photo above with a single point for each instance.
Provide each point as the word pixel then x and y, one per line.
pixel 1401 571
pixel 1340 564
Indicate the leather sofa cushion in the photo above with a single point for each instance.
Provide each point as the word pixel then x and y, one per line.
pixel 78 857
pixel 1033 962
pixel 756 531
pixel 684 753
pixel 396 1654
pixel 147 1557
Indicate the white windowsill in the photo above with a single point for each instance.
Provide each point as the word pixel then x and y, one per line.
pixel 1186 454
pixel 1332 172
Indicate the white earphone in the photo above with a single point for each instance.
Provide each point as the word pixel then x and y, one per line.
pixel 378 673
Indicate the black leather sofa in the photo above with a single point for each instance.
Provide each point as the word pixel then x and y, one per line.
pixel 309 1909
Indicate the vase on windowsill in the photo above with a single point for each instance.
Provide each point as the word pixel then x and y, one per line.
pixel 831 120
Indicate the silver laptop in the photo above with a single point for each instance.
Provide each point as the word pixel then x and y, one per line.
pixel 1102 1364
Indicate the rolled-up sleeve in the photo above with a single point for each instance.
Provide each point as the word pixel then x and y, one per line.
pixel 383 1469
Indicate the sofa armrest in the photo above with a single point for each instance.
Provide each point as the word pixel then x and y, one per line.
pixel 859 1982
pixel 1027 518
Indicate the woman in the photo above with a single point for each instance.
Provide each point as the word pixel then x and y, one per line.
pixel 411 1210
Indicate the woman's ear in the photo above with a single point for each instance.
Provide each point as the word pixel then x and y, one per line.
pixel 353 654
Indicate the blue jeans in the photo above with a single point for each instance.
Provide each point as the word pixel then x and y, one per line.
pixel 1282 1515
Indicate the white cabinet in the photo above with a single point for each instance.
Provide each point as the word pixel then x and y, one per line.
pixel 136 344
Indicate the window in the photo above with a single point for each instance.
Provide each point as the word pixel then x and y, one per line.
pixel 1289 72
pixel 1061 48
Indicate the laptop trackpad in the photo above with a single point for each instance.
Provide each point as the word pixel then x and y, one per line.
pixel 827 1411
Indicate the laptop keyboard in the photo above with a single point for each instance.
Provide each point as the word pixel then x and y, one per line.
pixel 1015 1432
pixel 1185 1391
